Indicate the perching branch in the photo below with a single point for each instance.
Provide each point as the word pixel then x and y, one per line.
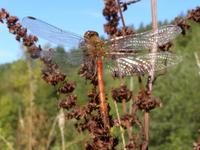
pixel 151 76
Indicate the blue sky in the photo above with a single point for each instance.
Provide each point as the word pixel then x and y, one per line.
pixel 79 16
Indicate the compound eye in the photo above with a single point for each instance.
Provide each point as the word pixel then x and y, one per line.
pixel 90 34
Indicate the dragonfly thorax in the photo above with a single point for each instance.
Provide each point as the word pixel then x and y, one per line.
pixel 94 43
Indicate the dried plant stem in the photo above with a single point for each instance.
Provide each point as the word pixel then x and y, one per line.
pixel 61 123
pixel 130 108
pixel 121 129
pixel 124 25
pixel 103 105
pixel 197 61
pixel 6 142
pixel 51 132
pixel 60 119
pixel 151 75
pixel 31 103
pixel 131 88
pixel 124 108
pixel 120 12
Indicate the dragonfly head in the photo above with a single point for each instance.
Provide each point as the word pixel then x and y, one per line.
pixel 91 35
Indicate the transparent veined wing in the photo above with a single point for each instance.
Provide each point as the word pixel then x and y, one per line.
pixel 145 40
pixel 126 66
pixel 66 61
pixel 52 33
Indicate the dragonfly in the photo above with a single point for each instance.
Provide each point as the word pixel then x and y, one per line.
pixel 122 54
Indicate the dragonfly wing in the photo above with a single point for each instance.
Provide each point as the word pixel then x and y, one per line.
pixel 126 66
pixel 162 60
pixel 64 60
pixel 144 40
pixel 51 33
pixel 129 43
pixel 163 34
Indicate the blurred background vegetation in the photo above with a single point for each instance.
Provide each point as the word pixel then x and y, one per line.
pixel 30 115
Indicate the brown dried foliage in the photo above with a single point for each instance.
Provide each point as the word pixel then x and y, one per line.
pixel 194 15
pixel 183 24
pixel 146 102
pixel 110 12
pixel 68 102
pixel 121 93
pixel 196 145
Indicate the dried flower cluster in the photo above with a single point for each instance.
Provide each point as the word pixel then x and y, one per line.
pixel 110 12
pixel 87 70
pixel 101 137
pixel 196 145
pixel 21 33
pixel 194 15
pixel 146 102
pixel 183 24
pixel 52 75
pixel 121 93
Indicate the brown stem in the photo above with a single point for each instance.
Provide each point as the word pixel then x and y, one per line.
pixel 124 108
pixel 103 105
pixel 121 129
pixel 121 79
pixel 154 14
pixel 120 12
pixel 151 75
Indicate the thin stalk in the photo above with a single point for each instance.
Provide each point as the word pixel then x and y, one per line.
pixel 124 108
pixel 51 132
pixel 6 142
pixel 131 101
pixel 121 79
pixel 103 105
pixel 198 61
pixel 32 88
pixel 151 75
pixel 30 116
pixel 130 107
pixel 121 129
pixel 120 12
pixel 61 123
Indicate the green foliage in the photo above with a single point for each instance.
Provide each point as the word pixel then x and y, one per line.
pixel 176 124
